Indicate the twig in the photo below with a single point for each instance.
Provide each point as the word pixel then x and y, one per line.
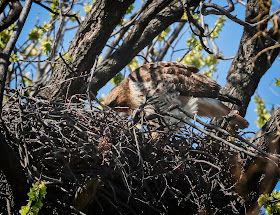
pixel 56 13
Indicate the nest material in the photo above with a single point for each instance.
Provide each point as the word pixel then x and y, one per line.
pixel 98 163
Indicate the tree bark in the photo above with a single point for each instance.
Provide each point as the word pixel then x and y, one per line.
pixel 9 160
pixel 11 166
pixel 262 174
pixel 15 9
pixel 88 43
pixel 247 68
pixel 250 64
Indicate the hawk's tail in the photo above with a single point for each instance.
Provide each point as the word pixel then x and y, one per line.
pixel 226 98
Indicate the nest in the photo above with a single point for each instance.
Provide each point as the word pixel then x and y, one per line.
pixel 98 163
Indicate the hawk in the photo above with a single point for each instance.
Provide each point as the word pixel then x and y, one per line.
pixel 162 84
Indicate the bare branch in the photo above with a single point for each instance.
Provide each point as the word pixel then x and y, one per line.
pixel 169 41
pixel 58 13
pixel 15 9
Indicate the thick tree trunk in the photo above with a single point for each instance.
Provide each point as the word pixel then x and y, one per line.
pixel 11 166
pixel 250 64
pixel 248 68
pixel 262 174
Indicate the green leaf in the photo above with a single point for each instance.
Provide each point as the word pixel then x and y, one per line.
pixel 218 27
pixel 129 9
pixel 67 57
pixel 87 7
pixel 13 58
pixel 193 58
pixel 117 79
pixel 102 98
pixel 195 16
pixel 24 210
pixel 277 83
pixel 270 202
pixel 262 112
pixel 46 27
pixel 36 195
pixel 163 34
pixel 133 64
pixel 5 35
pixel 54 7
pixel 46 45
pixel 184 17
pixel 34 35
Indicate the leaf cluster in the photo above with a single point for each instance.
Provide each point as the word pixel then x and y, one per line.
pixel 117 79
pixel 36 35
pixel 5 35
pixel 262 112
pixel 270 202
pixel 36 195
pixel 277 83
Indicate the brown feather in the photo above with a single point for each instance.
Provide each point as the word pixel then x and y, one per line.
pixel 186 82
pixel 168 79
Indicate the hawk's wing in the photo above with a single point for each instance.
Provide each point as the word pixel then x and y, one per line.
pixel 185 78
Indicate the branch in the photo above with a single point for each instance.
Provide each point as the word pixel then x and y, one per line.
pixel 9 159
pixel 15 9
pixel 249 65
pixel 169 41
pixel 57 13
pixel 10 165
pixel 122 31
pixel 3 5
pixel 144 31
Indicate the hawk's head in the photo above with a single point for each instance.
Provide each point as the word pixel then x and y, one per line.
pixel 119 98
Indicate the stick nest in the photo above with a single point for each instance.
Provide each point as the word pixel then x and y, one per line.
pixel 98 163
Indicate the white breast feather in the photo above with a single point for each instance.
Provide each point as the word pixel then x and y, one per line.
pixel 137 92
pixel 162 92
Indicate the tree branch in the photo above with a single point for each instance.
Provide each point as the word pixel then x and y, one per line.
pixel 169 41
pixel 89 41
pixel 144 31
pixel 57 13
pixel 9 160
pixel 245 72
pixel 11 166
pixel 15 9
